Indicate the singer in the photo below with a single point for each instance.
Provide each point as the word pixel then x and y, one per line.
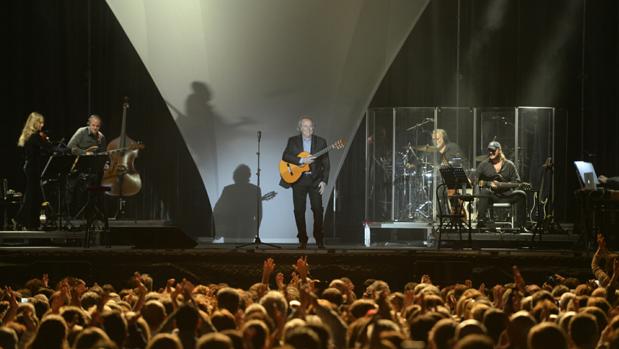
pixel 311 183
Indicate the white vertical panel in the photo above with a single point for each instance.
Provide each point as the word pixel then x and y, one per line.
pixel 228 68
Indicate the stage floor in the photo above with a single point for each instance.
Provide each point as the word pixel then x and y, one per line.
pixel 241 267
pixel 395 255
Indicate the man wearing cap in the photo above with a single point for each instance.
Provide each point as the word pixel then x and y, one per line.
pixel 495 170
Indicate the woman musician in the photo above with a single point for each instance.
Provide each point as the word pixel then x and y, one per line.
pixel 36 147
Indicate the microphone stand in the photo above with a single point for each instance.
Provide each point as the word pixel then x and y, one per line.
pixel 427 120
pixel 257 242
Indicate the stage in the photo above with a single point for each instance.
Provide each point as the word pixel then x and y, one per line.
pixel 487 257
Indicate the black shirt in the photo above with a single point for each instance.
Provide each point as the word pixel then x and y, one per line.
pixel 507 173
pixel 452 151
pixel 36 151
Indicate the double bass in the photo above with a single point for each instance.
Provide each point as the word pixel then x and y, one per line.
pixel 121 176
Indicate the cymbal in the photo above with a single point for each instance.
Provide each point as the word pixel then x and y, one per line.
pixel 479 158
pixel 425 148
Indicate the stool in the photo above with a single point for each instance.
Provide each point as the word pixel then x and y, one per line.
pixel 506 213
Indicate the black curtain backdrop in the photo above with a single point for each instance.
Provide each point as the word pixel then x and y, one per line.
pixel 69 59
pixel 520 53
pixel 510 53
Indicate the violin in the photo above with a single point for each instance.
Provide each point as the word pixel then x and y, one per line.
pixel 44 136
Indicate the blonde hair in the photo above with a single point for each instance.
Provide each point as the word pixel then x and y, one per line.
pixel 440 131
pixel 30 128
pixel 502 155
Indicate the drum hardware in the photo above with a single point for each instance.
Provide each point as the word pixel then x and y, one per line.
pixel 414 186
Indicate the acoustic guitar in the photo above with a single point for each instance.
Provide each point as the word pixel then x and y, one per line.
pixel 291 173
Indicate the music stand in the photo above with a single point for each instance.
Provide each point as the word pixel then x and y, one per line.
pixel 455 178
pixel 92 165
pixel 57 167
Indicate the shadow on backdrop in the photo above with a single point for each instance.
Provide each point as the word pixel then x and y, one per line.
pixel 201 126
pixel 235 211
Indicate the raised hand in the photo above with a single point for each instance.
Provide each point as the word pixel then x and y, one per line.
pixel 169 285
pixel 294 278
pixel 497 294
pixel 482 288
pixel 12 297
pixel 141 290
pixel 302 268
pixel 188 287
pixel 267 269
pixel 518 279
pixel 279 281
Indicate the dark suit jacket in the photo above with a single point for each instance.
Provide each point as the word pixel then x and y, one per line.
pixel 319 168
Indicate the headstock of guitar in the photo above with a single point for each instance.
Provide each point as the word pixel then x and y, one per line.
pixel 339 144
pixel 268 196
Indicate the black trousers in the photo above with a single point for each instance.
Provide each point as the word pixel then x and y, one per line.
pixel 76 193
pixel 515 197
pixel 28 214
pixel 300 190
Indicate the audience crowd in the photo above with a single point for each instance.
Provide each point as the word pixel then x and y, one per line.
pixel 293 312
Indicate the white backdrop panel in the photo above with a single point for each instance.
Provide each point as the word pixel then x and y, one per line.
pixel 228 68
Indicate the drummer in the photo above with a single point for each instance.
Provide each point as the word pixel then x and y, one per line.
pixel 450 152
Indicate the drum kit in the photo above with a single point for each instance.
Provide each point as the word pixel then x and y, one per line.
pixel 414 183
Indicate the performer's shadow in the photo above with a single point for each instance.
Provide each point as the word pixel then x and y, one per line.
pixel 237 208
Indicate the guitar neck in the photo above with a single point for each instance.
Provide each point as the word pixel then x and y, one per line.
pixel 503 185
pixel 323 151
pixel 508 185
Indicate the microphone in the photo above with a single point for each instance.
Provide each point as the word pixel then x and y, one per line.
pixel 259 135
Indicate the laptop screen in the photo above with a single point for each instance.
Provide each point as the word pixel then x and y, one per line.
pixel 586 174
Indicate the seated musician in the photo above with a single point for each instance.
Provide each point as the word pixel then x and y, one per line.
pixel 609 182
pixel 494 175
pixel 87 140
pixel 449 152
